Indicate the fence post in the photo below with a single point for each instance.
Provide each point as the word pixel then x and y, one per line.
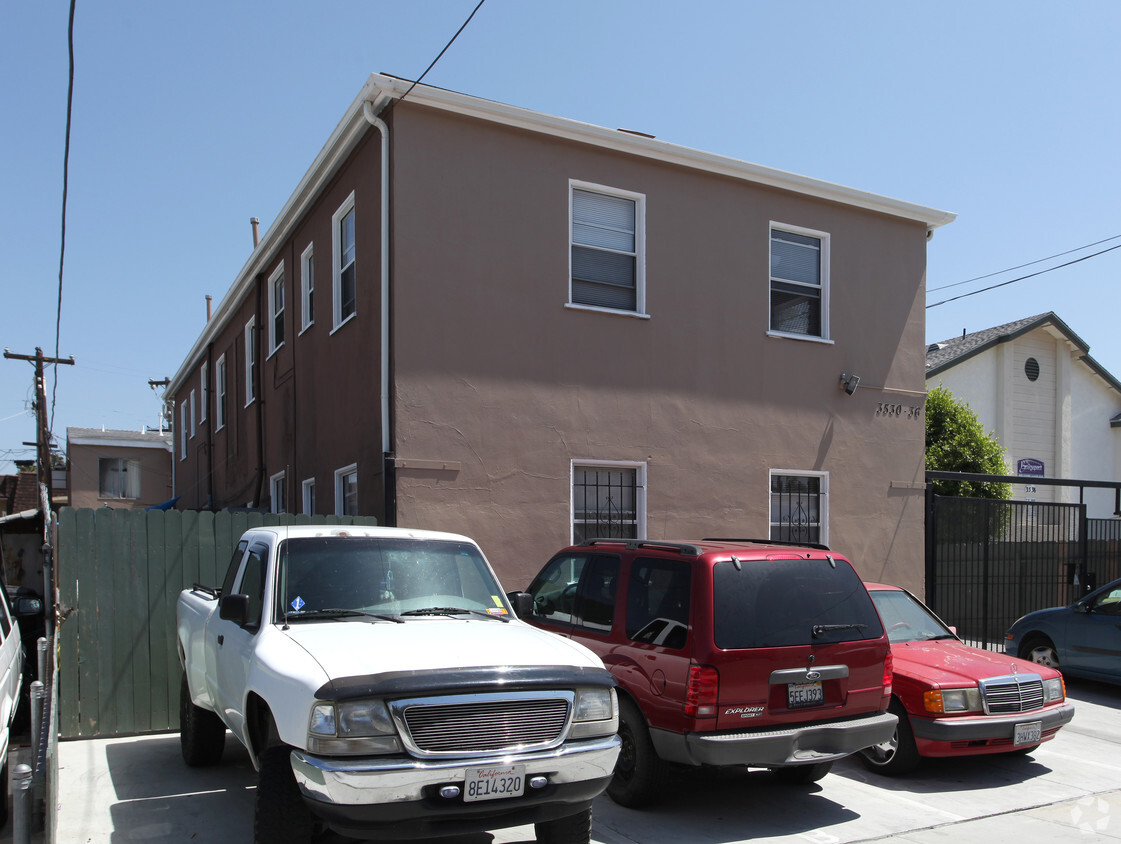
pixel 37 689
pixel 21 804
pixel 41 652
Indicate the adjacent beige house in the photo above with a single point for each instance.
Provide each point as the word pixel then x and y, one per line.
pixel 126 470
pixel 479 318
pixel 1055 409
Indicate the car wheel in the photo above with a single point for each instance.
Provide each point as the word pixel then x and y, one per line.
pixel 639 773
pixel 4 794
pixel 575 829
pixel 803 774
pixel 1041 650
pixel 899 754
pixel 202 735
pixel 280 815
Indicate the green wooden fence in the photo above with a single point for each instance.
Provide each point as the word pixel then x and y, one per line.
pixel 120 573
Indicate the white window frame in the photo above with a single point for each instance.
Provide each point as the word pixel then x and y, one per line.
pixel 277 485
pixel 250 362
pixel 220 403
pixel 194 426
pixel 337 267
pixel 307 288
pixel 824 257
pixel 183 431
pixel 307 488
pixel 204 389
pixel 276 309
pixel 340 478
pixel 822 504
pixel 639 200
pixel 639 493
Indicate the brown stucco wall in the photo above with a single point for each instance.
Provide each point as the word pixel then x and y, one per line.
pixel 155 476
pixel 494 374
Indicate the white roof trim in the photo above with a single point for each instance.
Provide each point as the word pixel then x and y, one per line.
pixel 380 90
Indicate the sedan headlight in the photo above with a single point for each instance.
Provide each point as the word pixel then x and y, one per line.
pixel 595 712
pixel 952 700
pixel 1054 690
pixel 352 727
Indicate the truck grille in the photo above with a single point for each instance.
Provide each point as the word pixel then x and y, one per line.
pixel 1014 693
pixel 484 724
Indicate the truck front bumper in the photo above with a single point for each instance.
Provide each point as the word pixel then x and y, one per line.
pixel 359 795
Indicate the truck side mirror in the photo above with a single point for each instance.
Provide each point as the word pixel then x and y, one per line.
pixel 234 608
pixel 522 603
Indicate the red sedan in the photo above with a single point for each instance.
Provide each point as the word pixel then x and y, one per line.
pixel 955 700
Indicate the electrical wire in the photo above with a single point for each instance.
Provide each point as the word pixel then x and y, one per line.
pixel 1023 277
pixel 1021 266
pixel 442 51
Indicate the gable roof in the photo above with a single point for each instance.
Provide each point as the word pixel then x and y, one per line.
pixel 947 354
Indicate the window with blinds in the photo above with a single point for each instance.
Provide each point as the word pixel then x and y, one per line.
pixel 799 273
pixel 606 244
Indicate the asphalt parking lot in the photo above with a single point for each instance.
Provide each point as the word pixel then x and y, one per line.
pixel 138 789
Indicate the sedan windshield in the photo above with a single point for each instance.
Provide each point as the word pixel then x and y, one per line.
pixel 906 619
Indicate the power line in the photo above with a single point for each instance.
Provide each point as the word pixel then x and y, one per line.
pixel 1021 266
pixel 443 50
pixel 1023 277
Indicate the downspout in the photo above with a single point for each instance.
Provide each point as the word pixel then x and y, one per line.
pixel 387 484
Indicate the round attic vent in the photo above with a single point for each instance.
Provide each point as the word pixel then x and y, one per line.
pixel 1031 369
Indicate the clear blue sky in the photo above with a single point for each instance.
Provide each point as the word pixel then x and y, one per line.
pixel 190 118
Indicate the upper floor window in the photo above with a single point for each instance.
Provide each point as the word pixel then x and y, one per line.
pixel 608 501
pixel 250 362
pixel 799 506
pixel 192 415
pixel 118 478
pixel 607 249
pixel 307 288
pixel 276 309
pixel 343 281
pixel 220 393
pixel 799 282
pixel 204 389
pixel 183 431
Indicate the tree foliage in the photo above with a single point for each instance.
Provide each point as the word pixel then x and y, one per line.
pixel 957 442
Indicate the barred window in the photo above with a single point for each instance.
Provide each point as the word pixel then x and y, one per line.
pixel 798 507
pixel 606 502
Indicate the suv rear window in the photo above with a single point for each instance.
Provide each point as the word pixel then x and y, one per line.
pixel 779 603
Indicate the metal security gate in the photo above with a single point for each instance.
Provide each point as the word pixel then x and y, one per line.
pixel 989 562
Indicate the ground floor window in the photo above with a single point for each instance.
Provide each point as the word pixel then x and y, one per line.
pixel 309 496
pixel 608 500
pixel 346 491
pixel 799 504
pixel 279 499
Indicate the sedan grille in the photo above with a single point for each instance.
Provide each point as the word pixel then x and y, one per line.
pixel 479 725
pixel 1014 693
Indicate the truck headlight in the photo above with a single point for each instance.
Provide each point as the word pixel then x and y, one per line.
pixel 595 712
pixel 352 727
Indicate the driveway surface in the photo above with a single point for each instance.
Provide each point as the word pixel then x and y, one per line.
pixel 138 789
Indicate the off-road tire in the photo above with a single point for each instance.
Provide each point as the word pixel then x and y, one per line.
pixel 899 755
pixel 803 774
pixel 280 815
pixel 202 735
pixel 639 773
pixel 575 829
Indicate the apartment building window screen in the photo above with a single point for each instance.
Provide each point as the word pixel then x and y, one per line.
pixel 797 508
pixel 604 503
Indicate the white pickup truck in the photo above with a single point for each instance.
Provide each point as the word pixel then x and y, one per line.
pixel 384 686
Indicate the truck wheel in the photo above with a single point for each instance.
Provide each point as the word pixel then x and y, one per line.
pixel 575 829
pixel 639 773
pixel 899 754
pixel 803 774
pixel 202 735
pixel 279 813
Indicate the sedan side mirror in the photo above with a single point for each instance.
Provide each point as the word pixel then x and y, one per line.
pixel 234 608
pixel 522 603
pixel 1082 607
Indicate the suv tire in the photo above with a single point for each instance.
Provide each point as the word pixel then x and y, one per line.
pixel 575 829
pixel 803 774
pixel 202 735
pixel 639 773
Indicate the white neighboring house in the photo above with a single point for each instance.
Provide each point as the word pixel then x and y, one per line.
pixel 1056 410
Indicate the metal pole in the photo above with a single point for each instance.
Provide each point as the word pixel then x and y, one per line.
pixel 21 804
pixel 42 652
pixel 37 693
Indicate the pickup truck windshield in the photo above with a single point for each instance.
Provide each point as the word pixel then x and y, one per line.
pixel 778 603
pixel 382 576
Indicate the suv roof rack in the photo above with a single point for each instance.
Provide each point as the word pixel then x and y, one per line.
pixel 635 544
pixel 816 545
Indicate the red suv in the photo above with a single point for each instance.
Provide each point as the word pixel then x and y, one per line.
pixel 726 651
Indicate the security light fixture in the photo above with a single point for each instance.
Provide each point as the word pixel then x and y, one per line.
pixel 849 382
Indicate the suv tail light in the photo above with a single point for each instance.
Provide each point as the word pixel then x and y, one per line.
pixel 887 675
pixel 702 691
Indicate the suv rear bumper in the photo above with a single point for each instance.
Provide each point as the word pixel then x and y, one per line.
pixel 360 795
pixel 804 744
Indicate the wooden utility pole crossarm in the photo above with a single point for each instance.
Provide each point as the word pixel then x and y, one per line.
pixel 43 433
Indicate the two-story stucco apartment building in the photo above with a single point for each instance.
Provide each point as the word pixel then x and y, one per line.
pixel 479 318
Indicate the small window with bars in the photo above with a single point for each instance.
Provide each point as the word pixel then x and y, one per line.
pixel 607 502
pixel 798 507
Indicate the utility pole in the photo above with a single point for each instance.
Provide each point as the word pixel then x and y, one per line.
pixel 43 433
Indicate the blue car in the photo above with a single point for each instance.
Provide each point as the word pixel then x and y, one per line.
pixel 1082 640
